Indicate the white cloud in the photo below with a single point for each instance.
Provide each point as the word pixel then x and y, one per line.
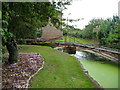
pixel 89 9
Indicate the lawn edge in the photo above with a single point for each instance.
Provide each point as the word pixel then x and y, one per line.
pixel 28 81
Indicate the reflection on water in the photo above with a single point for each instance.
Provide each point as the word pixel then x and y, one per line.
pixel 102 70
pixel 88 56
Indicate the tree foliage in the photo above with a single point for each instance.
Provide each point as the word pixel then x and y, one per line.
pixel 106 32
pixel 23 20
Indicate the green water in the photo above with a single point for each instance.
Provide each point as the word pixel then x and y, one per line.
pixel 103 71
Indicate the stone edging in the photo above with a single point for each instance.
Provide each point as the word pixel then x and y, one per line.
pixel 87 74
pixel 28 81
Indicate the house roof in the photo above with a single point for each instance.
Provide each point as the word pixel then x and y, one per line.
pixel 50 32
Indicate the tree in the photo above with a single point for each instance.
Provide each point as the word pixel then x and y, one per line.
pixel 108 32
pixel 91 30
pixel 22 19
pixel 114 36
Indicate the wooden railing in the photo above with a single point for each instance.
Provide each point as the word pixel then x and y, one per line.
pixel 116 51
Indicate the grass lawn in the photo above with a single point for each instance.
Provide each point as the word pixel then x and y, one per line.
pixel 79 40
pixel 0 14
pixel 60 71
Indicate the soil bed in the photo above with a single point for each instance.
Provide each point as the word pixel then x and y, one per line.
pixel 18 75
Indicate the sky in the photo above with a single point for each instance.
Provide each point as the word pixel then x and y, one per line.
pixel 89 9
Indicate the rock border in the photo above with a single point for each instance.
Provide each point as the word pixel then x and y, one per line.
pixel 28 81
pixel 96 84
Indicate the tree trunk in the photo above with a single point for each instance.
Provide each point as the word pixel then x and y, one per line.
pixel 13 50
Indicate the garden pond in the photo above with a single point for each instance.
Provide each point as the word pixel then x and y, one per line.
pixel 104 71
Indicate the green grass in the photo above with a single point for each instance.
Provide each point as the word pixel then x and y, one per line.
pixel 60 71
pixel 79 40
pixel 0 15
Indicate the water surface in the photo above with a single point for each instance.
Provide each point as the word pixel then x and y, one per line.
pixel 105 72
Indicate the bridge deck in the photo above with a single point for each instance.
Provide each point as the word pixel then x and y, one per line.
pixel 78 45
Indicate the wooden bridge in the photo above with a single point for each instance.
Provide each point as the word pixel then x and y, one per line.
pixel 113 54
pixel 101 48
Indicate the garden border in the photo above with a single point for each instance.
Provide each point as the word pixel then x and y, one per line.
pixel 28 81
